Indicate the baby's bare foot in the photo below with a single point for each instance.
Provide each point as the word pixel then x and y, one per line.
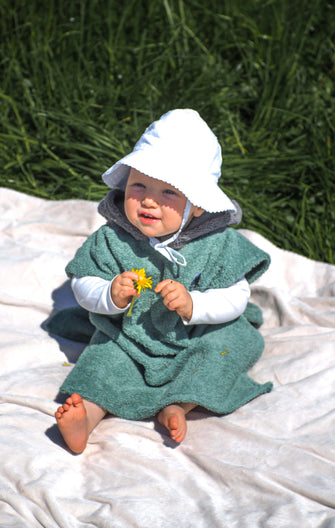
pixel 72 422
pixel 173 418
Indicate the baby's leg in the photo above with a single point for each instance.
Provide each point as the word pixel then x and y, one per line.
pixel 76 419
pixel 173 417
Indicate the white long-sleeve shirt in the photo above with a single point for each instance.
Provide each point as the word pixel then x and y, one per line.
pixel 210 307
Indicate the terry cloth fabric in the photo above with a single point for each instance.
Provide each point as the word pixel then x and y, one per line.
pixel 134 366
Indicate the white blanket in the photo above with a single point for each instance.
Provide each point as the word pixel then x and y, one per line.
pixel 269 464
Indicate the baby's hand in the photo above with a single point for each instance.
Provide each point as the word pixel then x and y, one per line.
pixel 123 288
pixel 176 297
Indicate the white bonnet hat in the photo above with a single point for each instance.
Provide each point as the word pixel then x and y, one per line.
pixel 181 150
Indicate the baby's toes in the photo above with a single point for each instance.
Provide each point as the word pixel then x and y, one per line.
pixel 59 412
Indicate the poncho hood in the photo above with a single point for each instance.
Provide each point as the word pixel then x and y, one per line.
pixel 112 208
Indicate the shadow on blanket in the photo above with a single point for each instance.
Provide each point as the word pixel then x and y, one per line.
pixel 72 345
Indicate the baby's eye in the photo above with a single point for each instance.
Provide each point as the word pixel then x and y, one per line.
pixel 169 191
pixel 139 185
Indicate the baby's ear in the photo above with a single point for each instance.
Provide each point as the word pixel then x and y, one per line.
pixel 198 211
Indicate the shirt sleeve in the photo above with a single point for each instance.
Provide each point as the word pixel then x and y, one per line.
pixel 93 294
pixel 210 307
pixel 219 305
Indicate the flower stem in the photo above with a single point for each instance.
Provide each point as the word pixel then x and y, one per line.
pixel 131 307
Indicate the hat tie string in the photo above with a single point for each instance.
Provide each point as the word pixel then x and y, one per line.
pixel 163 247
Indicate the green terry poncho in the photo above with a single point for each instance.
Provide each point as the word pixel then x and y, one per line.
pixel 134 366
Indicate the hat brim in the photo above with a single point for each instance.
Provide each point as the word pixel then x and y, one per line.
pixel 214 200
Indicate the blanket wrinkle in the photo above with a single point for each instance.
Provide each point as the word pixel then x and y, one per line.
pixel 293 311
pixel 269 463
pixel 44 406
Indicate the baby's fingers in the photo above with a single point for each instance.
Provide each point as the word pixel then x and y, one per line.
pixel 129 275
pixel 123 286
pixel 165 283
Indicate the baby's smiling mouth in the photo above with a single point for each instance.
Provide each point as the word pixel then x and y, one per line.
pixel 149 216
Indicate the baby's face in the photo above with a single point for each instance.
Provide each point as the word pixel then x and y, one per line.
pixel 154 207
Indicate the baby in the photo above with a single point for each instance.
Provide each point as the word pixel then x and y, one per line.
pixel 190 340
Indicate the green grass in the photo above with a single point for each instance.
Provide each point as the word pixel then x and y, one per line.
pixel 80 81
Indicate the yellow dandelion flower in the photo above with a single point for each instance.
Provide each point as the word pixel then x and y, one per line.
pixel 142 283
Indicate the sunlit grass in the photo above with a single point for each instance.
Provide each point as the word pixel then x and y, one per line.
pixel 81 80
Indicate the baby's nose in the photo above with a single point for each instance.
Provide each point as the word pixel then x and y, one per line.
pixel 150 199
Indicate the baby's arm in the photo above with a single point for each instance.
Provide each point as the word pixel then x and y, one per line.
pixel 103 296
pixel 220 305
pixel 210 307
